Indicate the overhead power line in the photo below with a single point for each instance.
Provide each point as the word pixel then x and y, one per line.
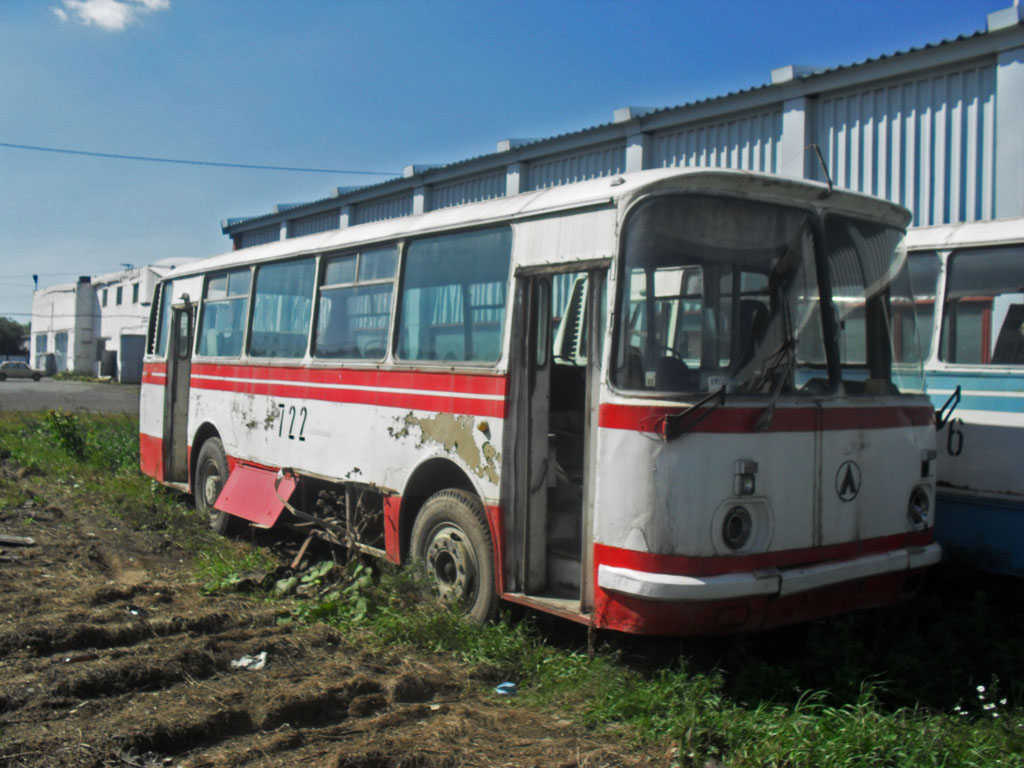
pixel 146 159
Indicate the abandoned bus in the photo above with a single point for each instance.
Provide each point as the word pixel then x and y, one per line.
pixel 969 283
pixel 665 402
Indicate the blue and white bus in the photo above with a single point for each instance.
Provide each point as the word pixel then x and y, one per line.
pixel 969 283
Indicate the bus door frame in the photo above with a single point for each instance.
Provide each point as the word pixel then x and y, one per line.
pixel 530 395
pixel 176 393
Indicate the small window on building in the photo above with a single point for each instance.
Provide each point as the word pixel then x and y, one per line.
pixel 281 308
pixel 354 314
pixel 104 301
pixel 119 296
pixel 135 293
pixel 225 305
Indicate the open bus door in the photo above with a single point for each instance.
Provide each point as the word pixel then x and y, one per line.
pixel 554 412
pixel 179 369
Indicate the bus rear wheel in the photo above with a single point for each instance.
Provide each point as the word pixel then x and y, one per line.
pixel 211 474
pixel 451 540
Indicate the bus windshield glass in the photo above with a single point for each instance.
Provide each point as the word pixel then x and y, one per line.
pixel 719 292
pixel 879 345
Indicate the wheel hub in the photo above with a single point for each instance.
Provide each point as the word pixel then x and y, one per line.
pixel 211 488
pixel 451 565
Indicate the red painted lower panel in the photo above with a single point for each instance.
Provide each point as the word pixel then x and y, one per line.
pixel 250 494
pixel 393 541
pixel 637 616
pixel 151 456
pixel 392 531
pixel 495 520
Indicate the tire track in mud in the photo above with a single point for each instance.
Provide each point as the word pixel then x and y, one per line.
pixel 108 657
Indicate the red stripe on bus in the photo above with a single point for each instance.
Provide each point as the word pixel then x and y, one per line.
pixel 682 565
pixel 645 418
pixel 455 383
pixel 453 403
pixel 154 373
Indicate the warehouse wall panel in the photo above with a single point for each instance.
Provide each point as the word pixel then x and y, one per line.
pixel 585 163
pixel 748 143
pixel 923 142
pixel 469 190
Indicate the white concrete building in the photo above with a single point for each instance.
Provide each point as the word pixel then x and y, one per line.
pixel 96 326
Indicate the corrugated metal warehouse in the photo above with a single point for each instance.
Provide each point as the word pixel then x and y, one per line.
pixel 937 129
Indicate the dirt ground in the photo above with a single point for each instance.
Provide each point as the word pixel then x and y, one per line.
pixel 109 656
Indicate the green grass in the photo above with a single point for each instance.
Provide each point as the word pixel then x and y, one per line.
pixel 938 681
pixel 92 462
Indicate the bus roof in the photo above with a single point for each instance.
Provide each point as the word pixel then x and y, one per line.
pixel 605 192
pixel 973 233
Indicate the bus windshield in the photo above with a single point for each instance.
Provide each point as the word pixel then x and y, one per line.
pixel 719 292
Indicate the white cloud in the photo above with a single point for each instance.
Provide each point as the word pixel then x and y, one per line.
pixel 112 15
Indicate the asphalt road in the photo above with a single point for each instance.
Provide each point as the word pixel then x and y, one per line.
pixel 28 395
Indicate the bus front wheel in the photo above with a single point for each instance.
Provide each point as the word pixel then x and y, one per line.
pixel 451 540
pixel 211 474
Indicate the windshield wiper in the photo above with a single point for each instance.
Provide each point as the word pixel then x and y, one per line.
pixel 784 365
pixel 673 425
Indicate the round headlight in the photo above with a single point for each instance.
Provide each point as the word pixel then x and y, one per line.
pixel 918 508
pixel 736 527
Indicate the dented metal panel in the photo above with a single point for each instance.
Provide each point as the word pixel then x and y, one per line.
pixel 255 494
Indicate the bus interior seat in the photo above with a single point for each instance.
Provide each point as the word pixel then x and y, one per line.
pixel 672 373
pixel 633 369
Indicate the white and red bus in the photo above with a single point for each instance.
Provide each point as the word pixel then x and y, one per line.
pixel 665 402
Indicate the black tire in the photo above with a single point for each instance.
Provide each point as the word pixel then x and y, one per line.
pixel 451 541
pixel 3 377
pixel 36 377
pixel 211 474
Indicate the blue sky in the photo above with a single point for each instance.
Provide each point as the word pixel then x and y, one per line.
pixel 357 85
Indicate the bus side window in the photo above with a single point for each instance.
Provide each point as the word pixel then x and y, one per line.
pixel 983 309
pixel 225 304
pixel 354 312
pixel 454 292
pixel 280 310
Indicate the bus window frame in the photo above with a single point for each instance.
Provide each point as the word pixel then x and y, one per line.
pixel 943 338
pixel 500 363
pixel 320 286
pixel 255 268
pixel 829 323
pixel 243 353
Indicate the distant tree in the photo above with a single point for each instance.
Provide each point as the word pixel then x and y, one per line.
pixel 11 333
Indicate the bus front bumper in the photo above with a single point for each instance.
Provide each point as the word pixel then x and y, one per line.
pixel 771 582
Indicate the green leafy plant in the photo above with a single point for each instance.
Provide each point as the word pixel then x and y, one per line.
pixel 69 431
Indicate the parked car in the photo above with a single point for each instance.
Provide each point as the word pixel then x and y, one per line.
pixel 16 369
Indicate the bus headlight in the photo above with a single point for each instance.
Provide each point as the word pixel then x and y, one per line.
pixel 736 527
pixel 741 525
pixel 918 508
